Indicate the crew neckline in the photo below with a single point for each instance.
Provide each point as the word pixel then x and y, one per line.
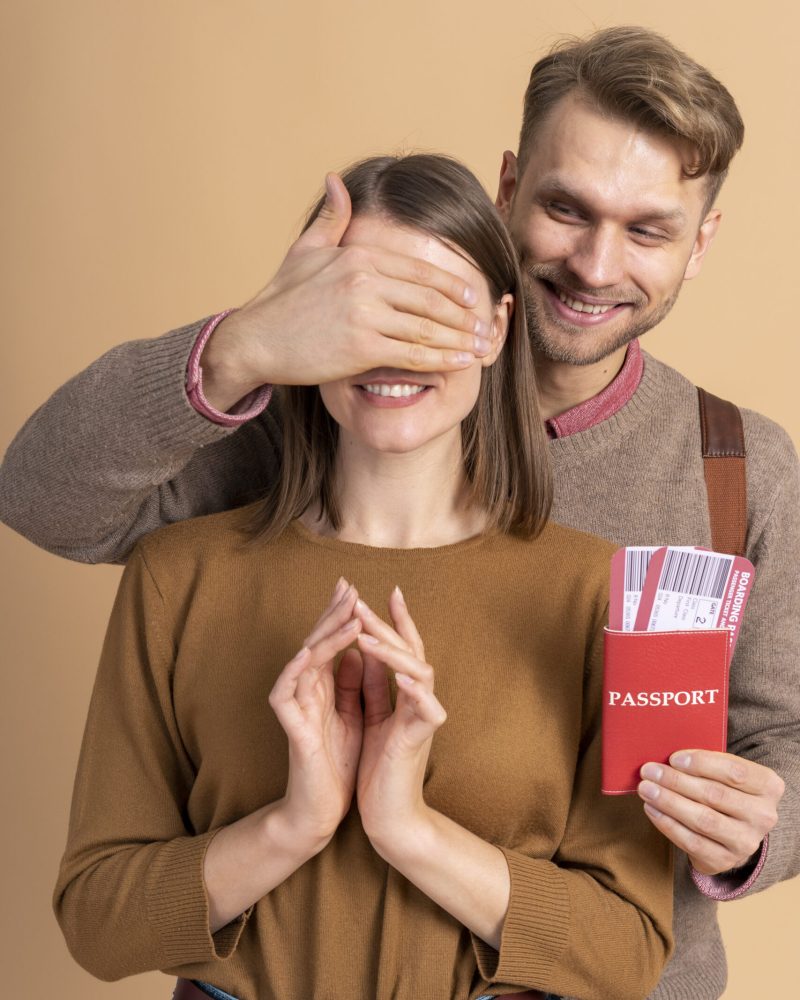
pixel 378 552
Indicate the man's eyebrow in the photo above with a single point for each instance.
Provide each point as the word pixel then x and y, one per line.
pixel 648 213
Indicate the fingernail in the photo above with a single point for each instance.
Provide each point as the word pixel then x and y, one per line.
pixel 355 623
pixel 299 654
pixel 681 760
pixel 482 345
pixel 369 638
pixel 404 680
pixel 470 296
pixel 652 811
pixel 399 593
pixel 464 359
pixel 340 584
pixel 481 328
pixel 361 606
pixel 648 790
pixel 652 771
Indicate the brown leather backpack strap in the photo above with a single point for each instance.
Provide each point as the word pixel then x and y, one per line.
pixel 725 472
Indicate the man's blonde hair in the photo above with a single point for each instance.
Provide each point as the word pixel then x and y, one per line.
pixel 637 75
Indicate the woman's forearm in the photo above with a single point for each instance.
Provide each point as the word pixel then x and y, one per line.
pixel 463 874
pixel 249 858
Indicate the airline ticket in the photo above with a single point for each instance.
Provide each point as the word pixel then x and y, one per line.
pixel 678 588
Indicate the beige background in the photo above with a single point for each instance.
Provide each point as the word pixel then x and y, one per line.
pixel 157 157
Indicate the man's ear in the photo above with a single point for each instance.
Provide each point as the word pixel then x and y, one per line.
pixel 501 320
pixel 507 186
pixel 705 237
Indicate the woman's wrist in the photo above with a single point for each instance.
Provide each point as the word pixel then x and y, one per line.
pixel 293 833
pixel 401 840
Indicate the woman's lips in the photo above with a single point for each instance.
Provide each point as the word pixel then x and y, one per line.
pixel 392 394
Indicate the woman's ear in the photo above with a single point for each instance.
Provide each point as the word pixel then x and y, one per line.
pixel 501 320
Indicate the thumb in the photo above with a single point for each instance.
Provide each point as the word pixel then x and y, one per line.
pixel 334 217
pixel 348 685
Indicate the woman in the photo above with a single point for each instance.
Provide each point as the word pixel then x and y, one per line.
pixel 350 839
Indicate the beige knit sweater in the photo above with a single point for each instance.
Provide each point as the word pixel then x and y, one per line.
pixel 181 740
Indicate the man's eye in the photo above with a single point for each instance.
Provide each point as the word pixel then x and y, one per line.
pixel 651 235
pixel 557 208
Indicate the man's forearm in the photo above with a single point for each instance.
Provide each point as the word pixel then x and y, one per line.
pixel 113 454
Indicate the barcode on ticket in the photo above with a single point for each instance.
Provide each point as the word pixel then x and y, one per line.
pixel 700 574
pixel 637 559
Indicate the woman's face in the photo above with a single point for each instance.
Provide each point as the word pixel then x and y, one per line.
pixel 395 410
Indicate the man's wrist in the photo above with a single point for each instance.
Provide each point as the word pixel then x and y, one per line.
pixel 217 383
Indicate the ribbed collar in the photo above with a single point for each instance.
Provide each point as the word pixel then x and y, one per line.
pixel 606 403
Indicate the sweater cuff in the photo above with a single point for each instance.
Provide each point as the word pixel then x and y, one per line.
pixel 158 394
pixel 247 408
pixel 733 884
pixel 177 905
pixel 536 925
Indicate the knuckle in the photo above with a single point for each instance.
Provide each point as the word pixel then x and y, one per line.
pixel 432 300
pixel 354 256
pixel 768 820
pixel 693 844
pixel 421 272
pixel 716 795
pixel 426 330
pixel 777 786
pixel 737 773
pixel 356 281
pixel 708 822
pixel 416 356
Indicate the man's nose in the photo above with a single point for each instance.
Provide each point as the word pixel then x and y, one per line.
pixel 598 258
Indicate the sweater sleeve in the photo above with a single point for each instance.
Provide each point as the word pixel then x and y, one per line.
pixel 595 921
pixel 764 719
pixel 119 451
pixel 130 895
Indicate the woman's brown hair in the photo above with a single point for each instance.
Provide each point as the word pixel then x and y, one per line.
pixel 504 443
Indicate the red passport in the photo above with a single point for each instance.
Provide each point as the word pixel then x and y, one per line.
pixel 662 692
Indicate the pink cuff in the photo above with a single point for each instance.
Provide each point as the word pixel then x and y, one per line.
pixel 250 406
pixel 729 885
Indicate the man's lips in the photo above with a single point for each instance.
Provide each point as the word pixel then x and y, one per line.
pixel 582 310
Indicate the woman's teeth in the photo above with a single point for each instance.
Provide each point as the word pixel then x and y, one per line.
pixel 394 390
pixel 579 306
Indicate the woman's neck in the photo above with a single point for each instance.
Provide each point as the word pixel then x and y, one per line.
pixel 402 501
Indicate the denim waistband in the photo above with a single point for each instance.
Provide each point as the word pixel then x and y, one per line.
pixel 212 991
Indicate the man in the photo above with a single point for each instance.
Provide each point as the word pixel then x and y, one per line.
pixel 610 200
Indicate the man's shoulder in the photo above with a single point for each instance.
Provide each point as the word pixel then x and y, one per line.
pixel 763 436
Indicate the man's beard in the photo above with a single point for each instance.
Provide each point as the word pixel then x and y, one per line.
pixel 592 344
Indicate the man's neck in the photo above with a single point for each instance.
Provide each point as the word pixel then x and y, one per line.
pixel 562 386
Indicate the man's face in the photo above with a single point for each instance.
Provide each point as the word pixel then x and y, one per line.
pixel 607 228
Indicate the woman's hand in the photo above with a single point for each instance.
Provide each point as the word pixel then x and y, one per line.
pixel 397 743
pixel 322 718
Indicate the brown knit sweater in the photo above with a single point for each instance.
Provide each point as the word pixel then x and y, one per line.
pixel 181 740
pixel 119 451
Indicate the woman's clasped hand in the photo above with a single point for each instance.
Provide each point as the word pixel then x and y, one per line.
pixel 339 744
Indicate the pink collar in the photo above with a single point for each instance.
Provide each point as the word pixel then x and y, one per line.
pixel 606 403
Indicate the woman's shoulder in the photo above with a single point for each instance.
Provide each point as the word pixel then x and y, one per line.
pixel 210 539
pixel 566 564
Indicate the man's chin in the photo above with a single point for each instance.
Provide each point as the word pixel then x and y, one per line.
pixel 580 349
